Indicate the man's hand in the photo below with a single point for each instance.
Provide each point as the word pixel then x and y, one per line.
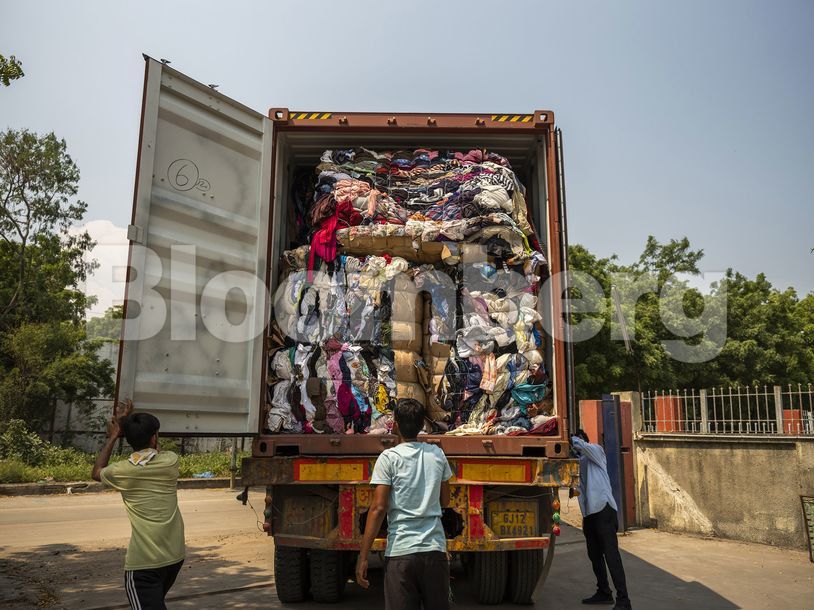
pixel 361 572
pixel 114 429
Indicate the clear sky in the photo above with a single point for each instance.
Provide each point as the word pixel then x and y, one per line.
pixel 680 118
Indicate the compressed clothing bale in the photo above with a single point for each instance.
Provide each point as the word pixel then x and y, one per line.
pixel 406 336
pixel 411 390
pixel 406 369
pixel 407 301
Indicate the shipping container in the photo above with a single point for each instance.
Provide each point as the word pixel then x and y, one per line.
pixel 210 209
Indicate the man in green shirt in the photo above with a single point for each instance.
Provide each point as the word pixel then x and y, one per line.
pixel 148 482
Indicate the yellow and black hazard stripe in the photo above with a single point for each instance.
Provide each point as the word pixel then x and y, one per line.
pixel 512 118
pixel 311 116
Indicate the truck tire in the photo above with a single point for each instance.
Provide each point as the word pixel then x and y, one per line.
pixel 291 573
pixel 525 568
pixel 327 576
pixel 489 575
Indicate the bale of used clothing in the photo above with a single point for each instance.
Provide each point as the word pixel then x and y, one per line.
pixel 406 335
pixel 367 306
pixel 407 302
pixel 407 363
pixel 411 390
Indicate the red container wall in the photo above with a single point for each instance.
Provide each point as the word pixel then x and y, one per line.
pixel 590 418
pixel 669 414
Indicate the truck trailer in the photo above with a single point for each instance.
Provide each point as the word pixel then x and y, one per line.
pixel 209 226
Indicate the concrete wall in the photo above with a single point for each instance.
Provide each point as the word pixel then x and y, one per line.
pixel 734 487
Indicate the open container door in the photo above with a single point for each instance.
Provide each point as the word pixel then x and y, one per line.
pixel 195 309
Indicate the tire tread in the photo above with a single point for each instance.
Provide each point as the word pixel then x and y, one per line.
pixel 291 574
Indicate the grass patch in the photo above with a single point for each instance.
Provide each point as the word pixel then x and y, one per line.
pixel 14 471
pixel 66 465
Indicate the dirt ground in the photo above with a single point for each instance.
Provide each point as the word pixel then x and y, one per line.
pixel 68 552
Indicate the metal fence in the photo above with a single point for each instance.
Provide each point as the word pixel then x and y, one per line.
pixel 734 410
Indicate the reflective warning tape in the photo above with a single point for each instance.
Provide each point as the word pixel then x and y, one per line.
pixel 316 116
pixel 512 118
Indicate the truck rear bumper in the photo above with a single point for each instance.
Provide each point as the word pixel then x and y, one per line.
pixel 371 444
pixel 324 470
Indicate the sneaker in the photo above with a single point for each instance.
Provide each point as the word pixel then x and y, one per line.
pixel 622 604
pixel 599 598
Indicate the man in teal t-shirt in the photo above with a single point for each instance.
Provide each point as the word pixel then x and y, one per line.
pixel 412 484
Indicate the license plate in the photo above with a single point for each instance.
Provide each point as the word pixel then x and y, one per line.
pixel 513 524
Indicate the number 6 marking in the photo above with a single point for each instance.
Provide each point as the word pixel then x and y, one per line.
pixel 184 175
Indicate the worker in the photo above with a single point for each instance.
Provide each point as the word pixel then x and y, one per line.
pixel 599 523
pixel 148 482
pixel 412 484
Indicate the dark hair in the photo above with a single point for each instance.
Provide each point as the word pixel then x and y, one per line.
pixel 139 428
pixel 409 415
pixel 581 434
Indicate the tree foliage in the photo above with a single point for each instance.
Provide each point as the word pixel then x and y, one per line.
pixel 38 184
pixel 49 362
pixel 44 353
pixel 107 327
pixel 11 69
pixel 769 333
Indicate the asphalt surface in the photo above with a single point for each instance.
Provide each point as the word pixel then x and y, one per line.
pixel 68 552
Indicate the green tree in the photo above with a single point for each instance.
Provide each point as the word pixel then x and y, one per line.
pixel 38 183
pixel 44 353
pixel 602 363
pixel 11 69
pixel 769 338
pixel 107 327
pixel 46 362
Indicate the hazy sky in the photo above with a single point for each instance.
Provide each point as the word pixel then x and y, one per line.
pixel 691 118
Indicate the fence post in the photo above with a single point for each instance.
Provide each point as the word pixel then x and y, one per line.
pixel 702 399
pixel 233 464
pixel 778 408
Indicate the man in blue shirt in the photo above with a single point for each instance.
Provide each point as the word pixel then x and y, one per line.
pixel 599 523
pixel 412 484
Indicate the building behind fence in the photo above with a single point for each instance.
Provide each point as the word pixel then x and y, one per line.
pixel 733 410
pixel 734 462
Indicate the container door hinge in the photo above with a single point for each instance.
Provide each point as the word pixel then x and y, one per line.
pixel 135 234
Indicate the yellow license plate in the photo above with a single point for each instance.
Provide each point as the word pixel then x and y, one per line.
pixel 312 470
pixel 513 523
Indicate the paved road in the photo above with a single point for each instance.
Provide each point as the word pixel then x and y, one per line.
pixel 67 552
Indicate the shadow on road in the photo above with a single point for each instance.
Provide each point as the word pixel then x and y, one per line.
pixel 64 576
pixel 231 573
pixel 649 586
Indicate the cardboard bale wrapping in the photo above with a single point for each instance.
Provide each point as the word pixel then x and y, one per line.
pixel 406 336
pixel 403 246
pixel 411 390
pixel 408 303
pixel 363 245
pixel 437 355
pixel 406 370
